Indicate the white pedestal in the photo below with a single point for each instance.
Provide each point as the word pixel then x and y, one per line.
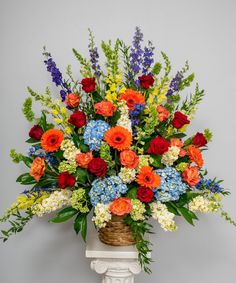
pixel 115 264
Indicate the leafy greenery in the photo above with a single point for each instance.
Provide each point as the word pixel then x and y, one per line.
pixel 156 68
pixel 17 225
pixel 64 215
pixel 80 225
pixel 86 68
pixel 139 229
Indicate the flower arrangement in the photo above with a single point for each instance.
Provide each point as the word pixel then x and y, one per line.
pixel 115 143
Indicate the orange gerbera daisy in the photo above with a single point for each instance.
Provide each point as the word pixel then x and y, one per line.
pixel 132 97
pixel 118 137
pixel 195 155
pixel 51 140
pixel 148 178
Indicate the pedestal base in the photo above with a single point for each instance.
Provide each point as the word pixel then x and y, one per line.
pixel 115 264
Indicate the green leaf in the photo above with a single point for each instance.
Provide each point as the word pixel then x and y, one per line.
pixel 172 208
pixel 187 197
pixel 27 160
pixel 115 118
pixel 43 122
pixel 188 215
pixel 81 175
pixel 58 154
pixel 31 140
pixel 64 215
pixel 96 97
pixel 132 193
pixel 76 141
pixel 84 148
pixel 178 135
pixel 80 225
pixel 156 161
pixel 26 179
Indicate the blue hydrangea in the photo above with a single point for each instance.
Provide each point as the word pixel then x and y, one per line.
pixel 171 187
pixel 106 190
pixel 94 133
pixel 209 184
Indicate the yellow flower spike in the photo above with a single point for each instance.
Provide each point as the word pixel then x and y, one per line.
pixel 122 90
pixel 54 112
pixel 107 80
pixel 68 130
pixel 63 110
pixel 58 120
pixel 113 87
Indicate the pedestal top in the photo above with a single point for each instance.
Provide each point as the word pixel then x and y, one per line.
pixel 96 249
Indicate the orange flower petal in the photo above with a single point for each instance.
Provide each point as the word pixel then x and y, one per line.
pixel 118 137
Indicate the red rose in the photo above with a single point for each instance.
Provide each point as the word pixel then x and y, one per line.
pixel 36 132
pixel 66 180
pixel 158 146
pixel 88 84
pixel 179 120
pixel 98 167
pixel 199 140
pixel 144 194
pixel 78 119
pixel 146 81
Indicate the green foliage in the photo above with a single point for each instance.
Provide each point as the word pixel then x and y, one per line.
pixel 151 122
pixel 112 56
pixel 132 193
pixel 186 82
pixel 226 216
pixel 156 68
pixel 17 224
pixel 25 179
pixel 36 95
pixel 156 161
pixel 86 68
pixel 189 106
pixel 64 215
pixel 139 229
pixel 81 175
pixel 208 135
pixel 16 157
pixel 188 215
pixel 27 109
pixel 186 198
pixel 80 225
pixel 125 53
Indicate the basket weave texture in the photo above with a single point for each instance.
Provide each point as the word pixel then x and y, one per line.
pixel 116 233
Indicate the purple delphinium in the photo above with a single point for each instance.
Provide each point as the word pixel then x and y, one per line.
pixel 38 191
pixel 94 56
pixel 56 75
pixel 174 84
pixel 148 58
pixel 136 54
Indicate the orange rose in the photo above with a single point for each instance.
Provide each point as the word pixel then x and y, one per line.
pixel 37 168
pixel 176 142
pixel 105 108
pixel 72 100
pixel 191 175
pixel 83 159
pixel 195 155
pixel 129 159
pixel 163 113
pixel 121 206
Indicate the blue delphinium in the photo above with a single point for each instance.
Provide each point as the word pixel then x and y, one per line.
pixel 56 75
pixel 209 184
pixel 148 58
pixel 37 151
pixel 94 133
pixel 138 109
pixel 106 190
pixel 94 56
pixel 171 187
pixel 136 54
pixel 174 84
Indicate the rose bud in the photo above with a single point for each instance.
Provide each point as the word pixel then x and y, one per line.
pixel 88 84
pixel 36 132
pixel 78 119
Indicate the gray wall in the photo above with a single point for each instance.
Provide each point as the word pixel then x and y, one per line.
pixel 201 31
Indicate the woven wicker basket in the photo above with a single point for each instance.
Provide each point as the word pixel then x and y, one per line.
pixel 116 233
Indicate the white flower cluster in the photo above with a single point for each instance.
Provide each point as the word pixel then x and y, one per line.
pixel 127 175
pixel 124 120
pixel 204 205
pixel 169 157
pixel 138 210
pixel 70 150
pixel 163 216
pixel 55 201
pixel 101 215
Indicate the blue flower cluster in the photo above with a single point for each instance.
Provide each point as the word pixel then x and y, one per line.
pixel 171 187
pixel 209 184
pixel 174 84
pixel 106 190
pixel 138 108
pixel 94 133
pixel 37 151
pixel 148 57
pixel 56 76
